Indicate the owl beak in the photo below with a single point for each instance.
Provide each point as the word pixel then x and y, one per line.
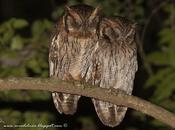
pixel 84 33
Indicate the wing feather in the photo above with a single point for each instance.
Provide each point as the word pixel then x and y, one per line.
pixel 111 66
pixel 118 73
pixel 59 63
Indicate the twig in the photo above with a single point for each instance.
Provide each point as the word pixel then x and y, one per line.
pixel 74 87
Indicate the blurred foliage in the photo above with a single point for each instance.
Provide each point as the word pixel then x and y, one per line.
pixel 23 55
pixel 164 78
pixel 86 123
pixel 24 52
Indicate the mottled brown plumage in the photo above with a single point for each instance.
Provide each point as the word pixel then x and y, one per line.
pixel 76 28
pixel 112 65
pixel 94 49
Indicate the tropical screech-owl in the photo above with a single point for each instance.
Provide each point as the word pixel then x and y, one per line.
pixel 112 65
pixel 76 29
pixel 94 49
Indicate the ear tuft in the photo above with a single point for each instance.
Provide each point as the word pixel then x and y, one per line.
pixel 95 12
pixel 72 13
pixel 67 8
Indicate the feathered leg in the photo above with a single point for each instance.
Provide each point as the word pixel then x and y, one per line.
pixel 110 114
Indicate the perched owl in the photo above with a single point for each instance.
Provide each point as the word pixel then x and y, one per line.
pixel 94 49
pixel 112 64
pixel 76 29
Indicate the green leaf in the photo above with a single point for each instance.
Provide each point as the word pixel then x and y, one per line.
pixel 19 23
pixel 37 28
pixel 48 24
pixel 158 58
pixel 7 35
pixel 17 43
pixel 154 79
pixel 39 95
pixel 34 65
pixel 87 123
pixel 165 87
pixel 40 26
pixel 167 36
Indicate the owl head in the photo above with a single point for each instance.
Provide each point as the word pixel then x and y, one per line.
pixel 118 30
pixel 81 20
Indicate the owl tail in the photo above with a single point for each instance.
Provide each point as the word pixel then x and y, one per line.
pixel 110 114
pixel 65 103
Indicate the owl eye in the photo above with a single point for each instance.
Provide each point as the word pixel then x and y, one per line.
pixel 72 23
pixel 108 32
pixel 111 33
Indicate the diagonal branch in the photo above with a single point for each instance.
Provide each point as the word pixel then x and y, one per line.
pixel 74 87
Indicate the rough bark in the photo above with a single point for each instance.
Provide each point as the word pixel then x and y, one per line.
pixel 114 96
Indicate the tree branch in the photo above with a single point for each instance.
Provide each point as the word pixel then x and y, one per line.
pixel 74 87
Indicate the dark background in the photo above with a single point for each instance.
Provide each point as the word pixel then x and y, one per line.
pixel 25 33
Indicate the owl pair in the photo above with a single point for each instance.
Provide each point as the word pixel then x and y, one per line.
pixel 99 50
